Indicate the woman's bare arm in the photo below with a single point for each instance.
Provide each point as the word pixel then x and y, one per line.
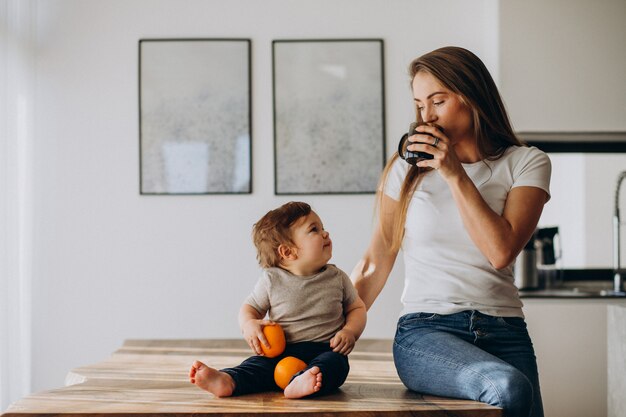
pixel 371 272
pixel 499 237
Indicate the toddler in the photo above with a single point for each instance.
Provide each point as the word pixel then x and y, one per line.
pixel 314 302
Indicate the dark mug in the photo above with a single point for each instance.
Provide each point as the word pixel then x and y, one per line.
pixel 412 157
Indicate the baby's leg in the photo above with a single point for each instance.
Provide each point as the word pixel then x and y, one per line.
pixel 334 366
pixel 307 383
pixel 209 379
pixel 255 374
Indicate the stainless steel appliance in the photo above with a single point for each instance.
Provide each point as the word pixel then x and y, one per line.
pixel 525 269
pixel 535 267
pixel 547 272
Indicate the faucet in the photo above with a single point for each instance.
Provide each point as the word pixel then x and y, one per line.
pixel 617 270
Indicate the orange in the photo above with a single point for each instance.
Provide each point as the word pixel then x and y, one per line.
pixel 276 339
pixel 286 368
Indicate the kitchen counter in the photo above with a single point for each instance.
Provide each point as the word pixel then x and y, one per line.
pixel 570 293
pixel 596 283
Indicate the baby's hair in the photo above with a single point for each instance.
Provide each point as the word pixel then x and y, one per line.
pixel 272 230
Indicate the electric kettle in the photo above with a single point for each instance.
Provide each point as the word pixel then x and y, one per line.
pixel 525 269
pixel 547 272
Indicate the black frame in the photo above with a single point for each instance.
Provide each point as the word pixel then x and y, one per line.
pixel 576 142
pixel 277 141
pixel 248 57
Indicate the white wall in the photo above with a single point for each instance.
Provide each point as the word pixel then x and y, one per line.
pixel 111 264
pixel 16 142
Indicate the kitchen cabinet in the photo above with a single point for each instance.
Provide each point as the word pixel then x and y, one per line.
pixel 617 360
pixel 562 64
pixel 570 340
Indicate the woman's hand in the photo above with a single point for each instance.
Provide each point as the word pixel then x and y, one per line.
pixel 253 334
pixel 432 140
pixel 343 341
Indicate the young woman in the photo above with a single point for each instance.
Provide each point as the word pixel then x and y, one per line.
pixel 461 219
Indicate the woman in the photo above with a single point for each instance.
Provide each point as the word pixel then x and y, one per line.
pixel 461 219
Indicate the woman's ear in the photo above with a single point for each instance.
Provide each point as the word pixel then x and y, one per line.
pixel 287 252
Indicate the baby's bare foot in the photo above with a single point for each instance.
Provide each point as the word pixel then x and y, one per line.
pixel 216 382
pixel 307 383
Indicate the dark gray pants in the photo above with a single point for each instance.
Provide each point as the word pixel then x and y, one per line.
pixel 256 374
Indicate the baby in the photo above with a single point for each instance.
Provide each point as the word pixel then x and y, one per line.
pixel 314 302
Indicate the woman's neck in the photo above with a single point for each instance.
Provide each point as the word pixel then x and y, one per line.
pixel 467 151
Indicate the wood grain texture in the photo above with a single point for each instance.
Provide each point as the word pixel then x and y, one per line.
pixel 149 377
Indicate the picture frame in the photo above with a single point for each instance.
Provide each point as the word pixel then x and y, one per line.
pixel 329 115
pixel 195 116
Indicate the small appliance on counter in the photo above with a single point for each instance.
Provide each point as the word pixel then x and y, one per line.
pixel 535 267
pixel 525 269
pixel 547 272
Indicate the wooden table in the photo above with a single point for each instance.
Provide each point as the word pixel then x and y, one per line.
pixel 149 377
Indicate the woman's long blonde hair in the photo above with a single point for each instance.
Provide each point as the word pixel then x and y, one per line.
pixel 463 73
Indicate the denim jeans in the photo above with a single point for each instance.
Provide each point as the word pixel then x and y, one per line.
pixel 470 355
pixel 256 374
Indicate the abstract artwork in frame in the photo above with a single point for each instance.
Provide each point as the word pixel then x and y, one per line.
pixel 328 116
pixel 195 118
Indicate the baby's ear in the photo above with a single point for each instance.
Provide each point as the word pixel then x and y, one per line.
pixel 287 252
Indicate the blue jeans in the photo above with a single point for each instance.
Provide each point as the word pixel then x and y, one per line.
pixel 256 374
pixel 470 355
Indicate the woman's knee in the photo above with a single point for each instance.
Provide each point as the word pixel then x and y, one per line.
pixel 512 391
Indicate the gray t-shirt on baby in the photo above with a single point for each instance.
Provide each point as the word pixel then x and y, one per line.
pixel 309 308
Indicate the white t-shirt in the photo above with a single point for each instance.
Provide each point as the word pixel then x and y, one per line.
pixel 445 272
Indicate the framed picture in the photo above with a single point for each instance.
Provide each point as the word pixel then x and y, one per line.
pixel 195 116
pixel 329 116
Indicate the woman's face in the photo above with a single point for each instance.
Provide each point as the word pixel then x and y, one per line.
pixel 442 107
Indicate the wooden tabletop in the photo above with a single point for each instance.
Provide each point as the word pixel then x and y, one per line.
pixel 149 377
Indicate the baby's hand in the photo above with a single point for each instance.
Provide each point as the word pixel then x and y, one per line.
pixel 343 342
pixel 253 334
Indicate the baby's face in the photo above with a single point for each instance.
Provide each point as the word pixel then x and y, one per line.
pixel 313 242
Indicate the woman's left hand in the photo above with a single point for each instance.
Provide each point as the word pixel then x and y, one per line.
pixel 432 140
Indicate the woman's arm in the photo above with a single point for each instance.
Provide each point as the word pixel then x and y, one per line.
pixel 499 237
pixel 371 272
